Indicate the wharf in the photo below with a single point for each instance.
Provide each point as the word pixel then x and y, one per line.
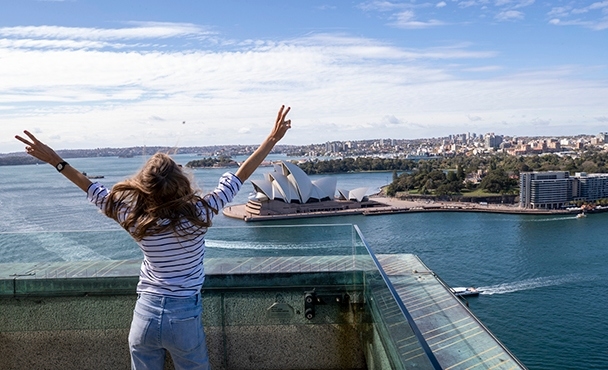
pixel 239 212
pixel 395 206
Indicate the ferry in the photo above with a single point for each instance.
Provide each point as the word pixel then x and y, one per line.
pixel 93 176
pixel 466 292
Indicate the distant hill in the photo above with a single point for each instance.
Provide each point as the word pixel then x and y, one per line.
pixel 17 160
pixel 20 158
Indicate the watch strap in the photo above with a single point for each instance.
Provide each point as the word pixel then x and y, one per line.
pixel 61 165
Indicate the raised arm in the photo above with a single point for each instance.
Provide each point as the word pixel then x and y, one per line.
pixel 281 126
pixel 36 148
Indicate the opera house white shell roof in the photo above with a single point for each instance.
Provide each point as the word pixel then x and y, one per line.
pixel 356 194
pixel 289 183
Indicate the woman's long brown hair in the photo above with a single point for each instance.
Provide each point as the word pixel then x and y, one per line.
pixel 158 199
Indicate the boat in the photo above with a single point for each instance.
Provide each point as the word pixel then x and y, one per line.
pixel 581 215
pixel 93 176
pixel 466 292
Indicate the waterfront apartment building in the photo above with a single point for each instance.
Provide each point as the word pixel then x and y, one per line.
pixel 592 186
pixel 551 190
pixel 556 189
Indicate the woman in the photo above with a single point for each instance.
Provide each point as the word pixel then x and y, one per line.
pixel 168 218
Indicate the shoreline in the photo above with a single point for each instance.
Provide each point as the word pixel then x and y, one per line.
pixel 397 206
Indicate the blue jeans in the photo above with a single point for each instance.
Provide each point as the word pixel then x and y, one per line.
pixel 168 324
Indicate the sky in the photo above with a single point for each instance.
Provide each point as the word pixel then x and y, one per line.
pixel 121 73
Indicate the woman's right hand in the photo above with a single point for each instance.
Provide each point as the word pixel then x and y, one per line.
pixel 281 124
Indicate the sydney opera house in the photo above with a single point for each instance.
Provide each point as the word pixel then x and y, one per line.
pixel 288 191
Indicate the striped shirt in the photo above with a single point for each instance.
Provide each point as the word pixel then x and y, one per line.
pixel 173 264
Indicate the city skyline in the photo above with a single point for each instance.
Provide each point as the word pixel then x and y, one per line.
pixel 133 73
pixel 451 144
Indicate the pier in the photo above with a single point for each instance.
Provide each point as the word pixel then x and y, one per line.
pixel 385 206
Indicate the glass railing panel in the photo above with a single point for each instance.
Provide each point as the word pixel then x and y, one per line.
pixel 303 255
pixel 261 275
pixel 304 240
pixel 67 246
pixel 286 262
pixel 288 240
pixel 389 329
pixel 247 241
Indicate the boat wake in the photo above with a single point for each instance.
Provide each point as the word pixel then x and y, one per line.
pixel 534 283
pixel 247 245
pixel 550 219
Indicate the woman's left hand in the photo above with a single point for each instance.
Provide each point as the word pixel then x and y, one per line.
pixel 39 150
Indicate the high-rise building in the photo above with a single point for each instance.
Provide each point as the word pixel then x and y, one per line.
pixel 556 189
pixel 551 190
pixel 591 186
pixel 493 141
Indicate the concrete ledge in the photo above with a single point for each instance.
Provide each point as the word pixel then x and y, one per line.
pixel 88 317
pixel 91 333
pixel 55 319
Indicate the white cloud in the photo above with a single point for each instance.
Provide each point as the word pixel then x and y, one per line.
pixel 601 25
pixel 360 88
pixel 540 122
pixel 522 3
pixel 598 25
pixel 380 5
pixel 141 30
pixel 407 19
pixel 595 6
pixel 391 120
pixel 598 22
pixel 326 7
pixel 402 13
pixel 492 68
pixel 467 4
pixel 509 15
pixel 561 11
pixel 411 15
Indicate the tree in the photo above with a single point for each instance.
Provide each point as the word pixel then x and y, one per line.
pixel 497 181
pixel 460 173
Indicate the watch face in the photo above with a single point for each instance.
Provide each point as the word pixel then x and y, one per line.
pixel 60 167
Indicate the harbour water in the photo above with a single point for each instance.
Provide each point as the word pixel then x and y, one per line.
pixel 544 278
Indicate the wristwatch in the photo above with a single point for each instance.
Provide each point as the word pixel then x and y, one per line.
pixel 61 165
